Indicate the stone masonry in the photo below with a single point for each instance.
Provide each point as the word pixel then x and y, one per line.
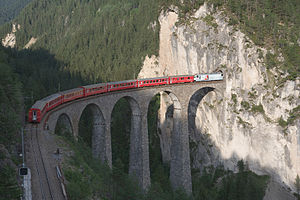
pixel 139 99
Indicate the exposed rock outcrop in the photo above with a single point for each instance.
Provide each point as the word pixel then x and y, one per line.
pixel 242 121
pixel 31 42
pixel 10 39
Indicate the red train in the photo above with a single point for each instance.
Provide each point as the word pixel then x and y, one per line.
pixel 41 107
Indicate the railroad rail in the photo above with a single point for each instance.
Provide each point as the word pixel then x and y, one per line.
pixel 44 185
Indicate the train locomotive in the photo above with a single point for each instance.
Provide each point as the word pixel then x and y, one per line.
pixel 41 107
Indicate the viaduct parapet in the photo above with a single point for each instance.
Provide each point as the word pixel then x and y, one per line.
pixel 185 97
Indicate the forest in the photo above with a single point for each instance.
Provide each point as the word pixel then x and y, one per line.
pixel 82 42
pixel 9 9
pixel 108 40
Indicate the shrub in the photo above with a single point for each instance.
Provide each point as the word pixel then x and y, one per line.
pixel 258 109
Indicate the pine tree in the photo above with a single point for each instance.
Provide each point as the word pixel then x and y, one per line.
pixel 297 185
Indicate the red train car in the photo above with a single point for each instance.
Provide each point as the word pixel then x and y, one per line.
pixel 57 100
pixel 181 79
pixel 94 89
pixel 72 94
pixel 122 85
pixel 153 81
pixel 39 109
pixel 34 115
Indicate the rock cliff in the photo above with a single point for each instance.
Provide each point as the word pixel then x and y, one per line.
pixel 241 122
pixel 10 38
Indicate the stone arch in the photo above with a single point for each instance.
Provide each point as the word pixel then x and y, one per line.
pixel 98 129
pixel 169 121
pixel 63 125
pixel 135 128
pixel 203 150
pixel 169 108
pixel 194 101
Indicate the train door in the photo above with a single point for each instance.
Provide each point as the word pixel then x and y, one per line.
pixel 34 115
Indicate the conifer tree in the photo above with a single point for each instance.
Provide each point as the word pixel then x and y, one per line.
pixel 297 185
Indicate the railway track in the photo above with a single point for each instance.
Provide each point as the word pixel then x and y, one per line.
pixel 43 186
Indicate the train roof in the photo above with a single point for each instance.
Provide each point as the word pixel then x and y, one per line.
pixel 145 79
pixel 94 85
pixel 187 75
pixel 41 103
pixel 120 82
pixel 70 91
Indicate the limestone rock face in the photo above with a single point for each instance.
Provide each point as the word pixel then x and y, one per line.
pixel 10 39
pixel 31 42
pixel 240 122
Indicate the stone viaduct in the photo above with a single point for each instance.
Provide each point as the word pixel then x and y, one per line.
pixel 185 97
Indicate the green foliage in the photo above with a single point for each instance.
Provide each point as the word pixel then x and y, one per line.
pixel 272 24
pixel 245 105
pixel 258 109
pixel 282 122
pixel 10 101
pixel 120 133
pixel 241 165
pixel 86 176
pixel 101 40
pixel 11 8
pixel 297 185
pixel 86 126
pixel 33 74
pixel 39 72
pixel 78 188
pixel 210 20
pixel 218 184
pixel 234 98
pixel 9 189
pixel 294 114
pixel 271 60
pixel 156 166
